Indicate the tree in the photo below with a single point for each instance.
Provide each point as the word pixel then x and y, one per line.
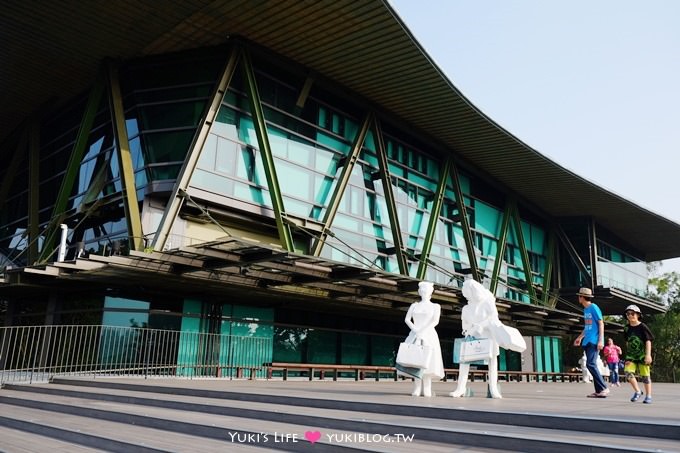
pixel 666 328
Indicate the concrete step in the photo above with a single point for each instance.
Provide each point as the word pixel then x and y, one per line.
pixel 217 415
pixel 185 429
pixel 657 429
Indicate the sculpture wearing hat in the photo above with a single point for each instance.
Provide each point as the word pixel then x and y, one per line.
pixel 480 319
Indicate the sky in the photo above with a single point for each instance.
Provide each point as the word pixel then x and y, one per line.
pixel 592 85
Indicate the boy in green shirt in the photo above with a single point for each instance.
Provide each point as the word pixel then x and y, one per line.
pixel 638 355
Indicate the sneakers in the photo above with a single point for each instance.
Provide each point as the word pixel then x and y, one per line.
pixel 636 396
pixel 648 400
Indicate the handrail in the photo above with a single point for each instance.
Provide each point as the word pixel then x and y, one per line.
pixel 38 353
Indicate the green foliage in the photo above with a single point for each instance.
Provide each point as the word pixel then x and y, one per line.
pixel 666 329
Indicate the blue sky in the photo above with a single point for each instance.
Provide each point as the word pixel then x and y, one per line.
pixel 592 85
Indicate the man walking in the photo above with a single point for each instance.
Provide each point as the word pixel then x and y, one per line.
pixel 592 340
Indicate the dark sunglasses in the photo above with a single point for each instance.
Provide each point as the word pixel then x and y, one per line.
pixel 628 313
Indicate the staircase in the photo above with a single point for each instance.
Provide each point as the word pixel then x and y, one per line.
pixel 128 415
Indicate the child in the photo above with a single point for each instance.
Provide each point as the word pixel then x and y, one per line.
pixel 638 353
pixel 612 353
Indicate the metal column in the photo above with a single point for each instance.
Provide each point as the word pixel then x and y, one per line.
pixel 72 167
pixel 127 171
pixel 434 218
pixel 285 234
pixel 341 185
pixel 182 182
pixel 390 201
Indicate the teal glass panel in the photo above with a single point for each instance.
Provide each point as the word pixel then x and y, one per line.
pixel 189 347
pixel 322 346
pixel 488 220
pixel 117 346
pixel 180 114
pixel 168 147
pixel 290 344
pixel 383 350
pixel 354 349
pixel 252 321
pixel 539 354
pixel 449 252
pixel 247 342
pixel 115 313
pixel 557 354
pixel 547 354
pixel 362 228
pixel 513 360
pixel 502 360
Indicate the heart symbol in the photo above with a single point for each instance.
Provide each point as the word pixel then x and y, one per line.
pixel 312 436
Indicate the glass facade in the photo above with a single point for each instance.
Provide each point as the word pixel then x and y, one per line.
pixel 311 138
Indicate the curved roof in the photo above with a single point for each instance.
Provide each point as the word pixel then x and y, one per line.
pixel 52 52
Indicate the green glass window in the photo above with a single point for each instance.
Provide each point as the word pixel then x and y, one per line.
pixel 322 346
pixel 123 312
pixel 354 349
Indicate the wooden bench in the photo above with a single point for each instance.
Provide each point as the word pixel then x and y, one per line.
pixel 360 372
pixel 539 376
pixel 473 375
pixel 516 376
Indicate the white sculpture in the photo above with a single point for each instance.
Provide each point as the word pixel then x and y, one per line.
pixel 585 374
pixel 587 377
pixel 421 318
pixel 480 319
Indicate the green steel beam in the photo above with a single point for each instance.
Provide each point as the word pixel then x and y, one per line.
pixel 434 218
pixel 572 251
pixel 390 201
pixel 341 185
pixel 500 248
pixel 592 240
pixel 465 224
pixel 127 171
pixel 72 167
pixel 528 275
pixel 547 276
pixel 184 177
pixel 285 234
pixel 33 190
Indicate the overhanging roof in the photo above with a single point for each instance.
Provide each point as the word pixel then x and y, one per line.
pixel 238 267
pixel 53 51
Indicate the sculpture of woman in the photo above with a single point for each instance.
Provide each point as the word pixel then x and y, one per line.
pixel 421 318
pixel 480 320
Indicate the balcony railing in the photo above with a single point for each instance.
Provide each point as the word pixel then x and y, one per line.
pixel 38 353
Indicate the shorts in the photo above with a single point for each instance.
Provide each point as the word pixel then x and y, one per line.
pixel 640 368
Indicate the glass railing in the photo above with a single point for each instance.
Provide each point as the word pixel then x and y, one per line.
pixel 629 277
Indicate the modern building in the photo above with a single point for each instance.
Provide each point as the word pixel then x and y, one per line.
pixel 288 170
